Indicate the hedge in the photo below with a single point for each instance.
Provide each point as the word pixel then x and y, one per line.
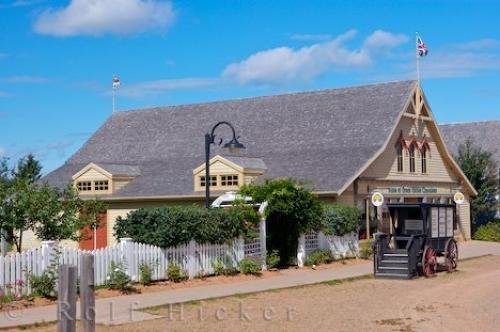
pixel 340 219
pixel 172 226
pixel 489 232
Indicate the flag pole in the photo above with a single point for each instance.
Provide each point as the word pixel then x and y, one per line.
pixel 113 94
pixel 115 85
pixel 417 57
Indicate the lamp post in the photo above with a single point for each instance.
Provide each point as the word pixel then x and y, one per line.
pixel 233 145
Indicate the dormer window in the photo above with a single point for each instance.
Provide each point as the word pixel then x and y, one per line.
pixel 228 180
pixel 84 186
pixel 213 181
pixel 101 185
pixel 103 179
pixel 228 172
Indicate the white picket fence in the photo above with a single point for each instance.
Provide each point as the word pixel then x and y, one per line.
pixel 340 246
pixel 194 259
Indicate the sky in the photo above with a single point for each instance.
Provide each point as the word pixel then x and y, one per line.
pixel 57 58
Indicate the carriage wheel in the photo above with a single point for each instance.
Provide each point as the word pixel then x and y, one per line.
pixel 429 262
pixel 451 255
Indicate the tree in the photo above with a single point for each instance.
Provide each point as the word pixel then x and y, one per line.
pixel 292 210
pixel 4 172
pixel 482 171
pixel 28 168
pixel 51 213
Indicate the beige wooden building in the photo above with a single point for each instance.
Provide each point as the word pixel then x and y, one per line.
pixel 345 143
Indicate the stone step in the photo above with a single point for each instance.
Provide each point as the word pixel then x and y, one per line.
pixel 391 275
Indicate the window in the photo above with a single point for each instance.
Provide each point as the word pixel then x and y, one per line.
pixel 102 185
pixel 229 180
pixel 423 156
pixel 411 153
pixel 213 181
pixel 84 186
pixel 399 151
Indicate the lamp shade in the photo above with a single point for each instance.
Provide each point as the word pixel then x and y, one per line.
pixel 234 146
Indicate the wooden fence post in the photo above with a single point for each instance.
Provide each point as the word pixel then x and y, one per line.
pixel 301 250
pixel 262 238
pixel 127 254
pixel 66 303
pixel 191 259
pixel 87 295
pixel 47 253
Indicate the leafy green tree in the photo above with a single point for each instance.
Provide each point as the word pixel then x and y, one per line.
pixel 292 210
pixel 52 214
pixel 482 171
pixel 28 168
pixel 4 172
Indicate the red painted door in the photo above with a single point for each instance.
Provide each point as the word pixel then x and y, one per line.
pixel 101 235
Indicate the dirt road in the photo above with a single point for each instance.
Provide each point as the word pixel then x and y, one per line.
pixel 468 300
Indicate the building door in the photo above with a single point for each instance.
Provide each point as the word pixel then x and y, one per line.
pixel 95 238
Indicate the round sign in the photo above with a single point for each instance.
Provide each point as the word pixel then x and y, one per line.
pixel 377 199
pixel 459 198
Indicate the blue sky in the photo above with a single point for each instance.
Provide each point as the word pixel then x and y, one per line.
pixel 57 58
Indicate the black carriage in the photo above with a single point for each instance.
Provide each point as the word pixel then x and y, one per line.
pixel 420 233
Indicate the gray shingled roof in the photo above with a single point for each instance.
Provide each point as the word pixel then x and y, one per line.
pixel 485 134
pixel 121 170
pixel 247 162
pixel 324 137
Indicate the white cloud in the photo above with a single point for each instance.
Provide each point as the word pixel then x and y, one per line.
pixel 458 64
pixel 24 79
pixel 381 39
pixel 158 86
pixel 102 17
pixel 479 44
pixel 284 64
pixel 2 152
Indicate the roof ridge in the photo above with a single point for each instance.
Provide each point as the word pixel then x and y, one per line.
pixel 297 93
pixel 466 122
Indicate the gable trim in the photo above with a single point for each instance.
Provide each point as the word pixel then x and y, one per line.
pixel 89 167
pixel 218 158
pixel 446 155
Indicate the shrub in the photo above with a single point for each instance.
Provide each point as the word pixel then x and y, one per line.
pixel 292 209
pixel 145 274
pixel 175 273
pixel 366 249
pixel 117 278
pixel 340 219
pixel 45 284
pixel 489 232
pixel 172 226
pixel 248 266
pixel 221 268
pixel 319 257
pixel 273 259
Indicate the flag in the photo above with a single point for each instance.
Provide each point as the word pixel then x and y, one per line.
pixel 421 47
pixel 116 82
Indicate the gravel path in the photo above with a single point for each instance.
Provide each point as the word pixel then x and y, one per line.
pixel 467 300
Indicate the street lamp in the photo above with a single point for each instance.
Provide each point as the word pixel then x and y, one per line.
pixel 233 146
